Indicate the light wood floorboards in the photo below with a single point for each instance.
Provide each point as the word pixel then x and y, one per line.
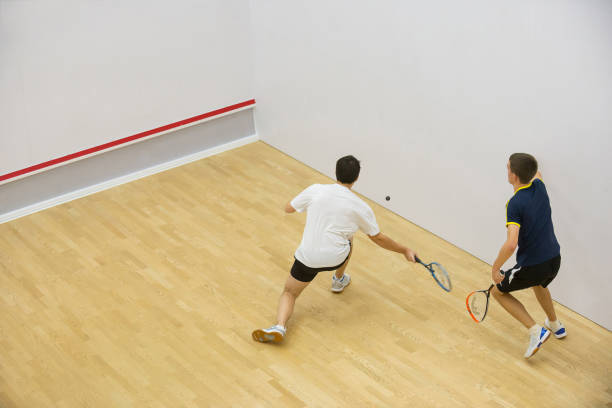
pixel 145 295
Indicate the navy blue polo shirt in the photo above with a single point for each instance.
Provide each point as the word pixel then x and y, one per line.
pixel 529 208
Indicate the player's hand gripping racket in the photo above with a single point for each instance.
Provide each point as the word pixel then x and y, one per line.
pixel 439 274
pixel 478 304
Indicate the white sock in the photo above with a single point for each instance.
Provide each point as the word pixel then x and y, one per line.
pixel 281 327
pixel 556 325
pixel 535 329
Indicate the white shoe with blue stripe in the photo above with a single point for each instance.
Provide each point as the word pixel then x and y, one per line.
pixel 559 333
pixel 536 341
pixel 338 285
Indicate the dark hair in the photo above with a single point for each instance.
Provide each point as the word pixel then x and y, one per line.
pixel 524 165
pixel 347 169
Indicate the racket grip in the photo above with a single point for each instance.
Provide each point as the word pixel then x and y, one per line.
pixel 416 258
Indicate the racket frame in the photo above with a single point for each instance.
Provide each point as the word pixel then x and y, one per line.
pixel 487 292
pixel 433 273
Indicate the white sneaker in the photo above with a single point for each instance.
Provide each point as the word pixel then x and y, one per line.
pixel 274 334
pixel 559 333
pixel 536 341
pixel 338 285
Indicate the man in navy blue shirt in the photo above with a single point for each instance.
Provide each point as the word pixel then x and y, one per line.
pixel 529 226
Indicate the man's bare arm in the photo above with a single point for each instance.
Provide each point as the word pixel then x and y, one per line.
pixel 505 252
pixel 289 208
pixel 387 243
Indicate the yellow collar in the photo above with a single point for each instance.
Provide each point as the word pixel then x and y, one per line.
pixel 524 187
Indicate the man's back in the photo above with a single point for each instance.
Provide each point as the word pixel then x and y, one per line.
pixel 334 215
pixel 530 209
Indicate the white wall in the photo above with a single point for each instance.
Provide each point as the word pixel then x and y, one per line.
pixel 434 96
pixel 77 74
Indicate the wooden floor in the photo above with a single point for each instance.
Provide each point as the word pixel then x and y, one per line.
pixel 145 295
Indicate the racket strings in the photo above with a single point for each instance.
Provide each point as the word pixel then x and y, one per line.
pixel 441 275
pixel 478 305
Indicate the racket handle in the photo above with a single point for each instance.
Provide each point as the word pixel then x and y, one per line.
pixel 416 258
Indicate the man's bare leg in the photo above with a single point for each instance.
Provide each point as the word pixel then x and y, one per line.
pixel 545 300
pixel 514 307
pixel 292 290
pixel 340 271
pixel 276 334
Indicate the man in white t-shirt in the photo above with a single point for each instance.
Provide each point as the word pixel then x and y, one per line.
pixel 334 214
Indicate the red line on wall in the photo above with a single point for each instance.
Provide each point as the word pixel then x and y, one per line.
pixel 125 140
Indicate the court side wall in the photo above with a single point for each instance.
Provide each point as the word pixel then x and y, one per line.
pixel 434 96
pixel 79 74
pixel 100 172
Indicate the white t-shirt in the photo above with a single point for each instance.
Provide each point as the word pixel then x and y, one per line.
pixel 334 214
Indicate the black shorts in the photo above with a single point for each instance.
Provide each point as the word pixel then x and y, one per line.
pixel 523 277
pixel 305 273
